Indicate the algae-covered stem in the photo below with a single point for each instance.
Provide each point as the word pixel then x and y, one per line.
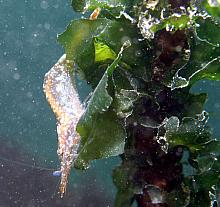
pixel 157 171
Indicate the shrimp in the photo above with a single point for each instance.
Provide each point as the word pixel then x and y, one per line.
pixel 63 99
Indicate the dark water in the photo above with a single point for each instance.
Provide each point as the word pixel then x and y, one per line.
pixel 28 48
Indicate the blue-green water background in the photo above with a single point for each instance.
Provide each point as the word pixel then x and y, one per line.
pixel 28 49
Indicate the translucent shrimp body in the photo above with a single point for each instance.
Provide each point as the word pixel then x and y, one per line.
pixel 63 98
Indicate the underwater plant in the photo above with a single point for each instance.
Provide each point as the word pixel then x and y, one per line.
pixel 141 58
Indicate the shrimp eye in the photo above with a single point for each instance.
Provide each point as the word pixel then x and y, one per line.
pixel 57 173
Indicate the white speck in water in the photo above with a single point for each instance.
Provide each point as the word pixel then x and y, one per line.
pixel 29 94
pixel 35 34
pixel 217 105
pixel 47 26
pixel 56 6
pixel 44 4
pixel 16 76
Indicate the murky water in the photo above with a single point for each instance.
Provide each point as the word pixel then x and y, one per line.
pixel 28 140
pixel 28 49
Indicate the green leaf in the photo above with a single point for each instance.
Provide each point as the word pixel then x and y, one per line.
pixel 173 23
pixel 122 178
pixel 195 104
pixel 84 5
pixel 200 65
pixel 200 198
pixel 201 188
pixel 208 30
pixel 206 180
pixel 212 147
pixel 78 5
pixel 211 72
pixel 102 137
pixel 192 104
pixel 124 100
pixel 116 33
pixel 191 133
pixel 78 42
pixel 154 17
pixel 212 7
pixel 179 197
pixel 205 163
pixel 209 41
pixel 124 198
pixel 103 52
pixel 102 134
